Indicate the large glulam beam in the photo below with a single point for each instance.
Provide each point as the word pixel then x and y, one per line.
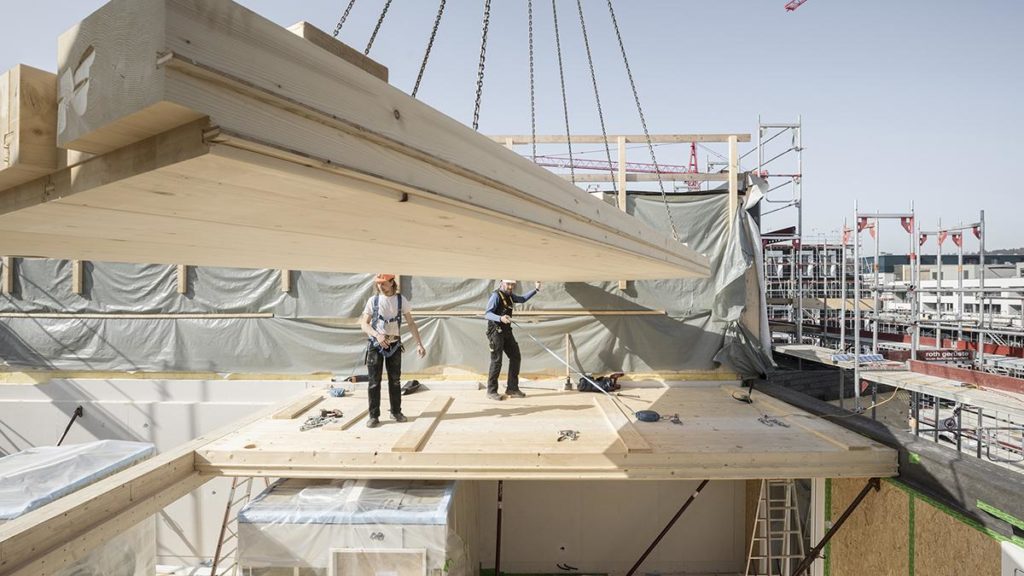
pixel 136 69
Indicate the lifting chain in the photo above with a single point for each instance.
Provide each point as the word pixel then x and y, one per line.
pixel 597 95
pixel 430 44
pixel 348 9
pixel 565 101
pixel 533 102
pixel 643 122
pixel 380 21
pixel 481 65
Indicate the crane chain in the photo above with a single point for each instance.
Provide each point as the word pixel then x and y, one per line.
pixel 430 45
pixel 481 65
pixel 643 122
pixel 344 16
pixel 565 101
pixel 380 22
pixel 597 95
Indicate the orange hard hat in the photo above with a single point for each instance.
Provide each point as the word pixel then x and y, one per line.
pixel 383 278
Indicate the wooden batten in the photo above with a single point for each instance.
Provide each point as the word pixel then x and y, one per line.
pixel 28 125
pixel 339 49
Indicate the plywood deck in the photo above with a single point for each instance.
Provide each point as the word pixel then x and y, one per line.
pixel 458 433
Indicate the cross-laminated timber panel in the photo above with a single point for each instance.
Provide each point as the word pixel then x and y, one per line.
pixel 202 197
pixel 28 125
pixel 460 434
pixel 141 68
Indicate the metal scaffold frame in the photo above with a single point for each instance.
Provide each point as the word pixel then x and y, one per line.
pixel 790 179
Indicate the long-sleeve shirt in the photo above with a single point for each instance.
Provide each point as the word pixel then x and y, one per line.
pixel 492 305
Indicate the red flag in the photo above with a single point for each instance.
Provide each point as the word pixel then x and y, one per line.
pixel 908 223
pixel 958 238
pixel 861 223
pixel 846 235
pixel 871 229
pixel 942 237
pixel 977 232
pixel 922 240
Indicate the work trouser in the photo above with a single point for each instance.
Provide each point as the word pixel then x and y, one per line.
pixel 502 341
pixel 375 363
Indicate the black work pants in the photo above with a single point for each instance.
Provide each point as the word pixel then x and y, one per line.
pixel 503 342
pixel 375 363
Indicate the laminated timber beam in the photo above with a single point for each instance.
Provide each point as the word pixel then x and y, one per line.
pixel 309 163
pixel 28 125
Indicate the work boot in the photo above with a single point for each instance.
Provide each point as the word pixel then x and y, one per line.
pixel 399 417
pixel 373 422
pixel 493 396
pixel 515 394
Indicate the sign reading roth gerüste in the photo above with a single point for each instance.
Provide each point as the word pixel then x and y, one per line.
pixel 945 355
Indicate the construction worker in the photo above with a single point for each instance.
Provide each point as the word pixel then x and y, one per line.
pixel 501 340
pixel 382 323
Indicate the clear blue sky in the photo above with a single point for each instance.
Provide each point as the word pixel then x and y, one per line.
pixel 916 100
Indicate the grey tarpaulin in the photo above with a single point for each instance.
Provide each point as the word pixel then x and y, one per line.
pixel 312 328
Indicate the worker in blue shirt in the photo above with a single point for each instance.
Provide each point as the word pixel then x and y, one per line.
pixel 501 339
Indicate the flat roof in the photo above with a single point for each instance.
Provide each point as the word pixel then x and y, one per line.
pixel 457 433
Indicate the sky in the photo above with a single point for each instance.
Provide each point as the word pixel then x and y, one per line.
pixel 911 102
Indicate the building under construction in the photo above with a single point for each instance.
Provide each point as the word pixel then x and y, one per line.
pixel 201 212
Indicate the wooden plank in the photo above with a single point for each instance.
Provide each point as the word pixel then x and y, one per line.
pixel 300 406
pixel 621 146
pixel 76 277
pixel 424 424
pixel 262 84
pixel 28 125
pixel 49 539
pixel 838 437
pixel 630 138
pixel 286 280
pixel 734 193
pixel 347 423
pixel 182 275
pixel 339 49
pixel 633 440
pixel 9 272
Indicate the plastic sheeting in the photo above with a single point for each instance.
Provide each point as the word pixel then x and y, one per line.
pixel 377 526
pixel 305 335
pixel 37 476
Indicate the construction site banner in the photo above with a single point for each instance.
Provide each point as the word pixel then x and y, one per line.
pixel 130 317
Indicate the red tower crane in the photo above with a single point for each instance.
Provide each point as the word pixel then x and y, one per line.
pixel 794 4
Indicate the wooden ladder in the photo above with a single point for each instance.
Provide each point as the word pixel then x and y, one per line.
pixel 225 558
pixel 777 540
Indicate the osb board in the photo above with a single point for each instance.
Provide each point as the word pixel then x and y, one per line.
pixel 874 539
pixel 945 546
pixel 719 438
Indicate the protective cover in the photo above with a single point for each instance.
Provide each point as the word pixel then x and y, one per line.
pixel 37 476
pixel 375 526
pixel 313 328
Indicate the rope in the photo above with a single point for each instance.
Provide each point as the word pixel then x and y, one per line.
pixel 348 9
pixel 430 44
pixel 533 102
pixel 597 95
pixel 565 101
pixel 481 65
pixel 380 21
pixel 643 121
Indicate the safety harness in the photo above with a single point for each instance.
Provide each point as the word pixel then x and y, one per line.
pixel 375 316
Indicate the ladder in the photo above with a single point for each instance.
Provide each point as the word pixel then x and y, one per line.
pixel 776 541
pixel 225 558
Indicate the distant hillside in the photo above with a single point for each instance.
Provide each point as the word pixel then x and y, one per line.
pixel 1005 251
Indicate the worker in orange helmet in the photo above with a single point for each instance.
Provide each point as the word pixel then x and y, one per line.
pixel 382 323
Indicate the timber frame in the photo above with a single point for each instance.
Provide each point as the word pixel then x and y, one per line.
pixel 718 438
